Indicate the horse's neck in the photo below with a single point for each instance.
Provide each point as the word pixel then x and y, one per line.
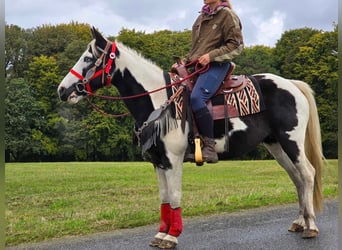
pixel 146 73
pixel 136 75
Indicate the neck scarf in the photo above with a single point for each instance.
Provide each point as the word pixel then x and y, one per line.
pixel 206 8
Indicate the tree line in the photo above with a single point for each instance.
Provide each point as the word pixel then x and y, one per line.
pixel 38 127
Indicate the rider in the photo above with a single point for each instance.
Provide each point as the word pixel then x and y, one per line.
pixel 216 40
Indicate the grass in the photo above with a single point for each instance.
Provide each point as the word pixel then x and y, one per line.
pixel 53 200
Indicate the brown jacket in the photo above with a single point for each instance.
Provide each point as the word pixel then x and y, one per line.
pixel 218 34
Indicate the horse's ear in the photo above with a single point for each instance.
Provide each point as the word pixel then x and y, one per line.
pixel 93 30
pixel 100 40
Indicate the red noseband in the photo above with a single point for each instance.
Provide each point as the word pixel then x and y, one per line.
pixel 104 70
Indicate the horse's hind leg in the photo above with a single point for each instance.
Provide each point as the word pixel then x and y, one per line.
pixel 302 174
pixel 307 219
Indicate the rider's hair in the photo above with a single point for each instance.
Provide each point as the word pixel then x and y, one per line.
pixel 228 2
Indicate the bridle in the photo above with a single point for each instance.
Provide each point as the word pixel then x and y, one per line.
pixel 83 87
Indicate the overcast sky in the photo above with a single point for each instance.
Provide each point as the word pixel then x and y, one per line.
pixel 263 20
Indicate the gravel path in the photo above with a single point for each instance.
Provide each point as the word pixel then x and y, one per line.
pixel 263 228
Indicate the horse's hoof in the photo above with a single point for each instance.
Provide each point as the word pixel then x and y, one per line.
pixel 309 233
pixel 155 242
pixel 296 228
pixel 166 244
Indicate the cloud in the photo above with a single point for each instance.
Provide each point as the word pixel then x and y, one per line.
pixel 269 30
pixel 263 21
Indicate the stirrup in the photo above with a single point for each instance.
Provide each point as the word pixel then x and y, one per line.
pixel 198 152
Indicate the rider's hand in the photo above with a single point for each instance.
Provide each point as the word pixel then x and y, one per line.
pixel 204 60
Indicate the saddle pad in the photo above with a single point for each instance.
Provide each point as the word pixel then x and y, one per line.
pixel 247 101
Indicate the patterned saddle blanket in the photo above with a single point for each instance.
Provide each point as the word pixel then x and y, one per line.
pixel 243 99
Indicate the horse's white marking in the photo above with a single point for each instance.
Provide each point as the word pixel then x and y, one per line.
pixel 148 74
pixel 238 125
pixel 281 82
pixel 70 79
pixel 302 105
pixel 160 235
pixel 288 85
pixel 78 67
pixel 171 238
pixel 176 141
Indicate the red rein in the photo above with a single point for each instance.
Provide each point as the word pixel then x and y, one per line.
pixel 91 74
pixel 119 98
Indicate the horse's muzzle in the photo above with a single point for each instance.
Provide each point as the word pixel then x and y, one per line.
pixel 62 93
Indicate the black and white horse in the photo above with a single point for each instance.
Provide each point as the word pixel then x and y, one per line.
pixel 288 127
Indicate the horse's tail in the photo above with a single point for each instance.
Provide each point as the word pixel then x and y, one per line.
pixel 313 144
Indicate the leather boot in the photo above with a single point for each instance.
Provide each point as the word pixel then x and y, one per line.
pixel 189 157
pixel 208 152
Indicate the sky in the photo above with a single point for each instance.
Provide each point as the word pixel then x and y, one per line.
pixel 263 21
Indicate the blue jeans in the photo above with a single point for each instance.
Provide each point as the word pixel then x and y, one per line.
pixel 207 84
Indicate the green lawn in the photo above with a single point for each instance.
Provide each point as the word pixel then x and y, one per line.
pixel 52 200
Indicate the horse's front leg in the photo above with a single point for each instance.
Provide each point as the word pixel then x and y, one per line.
pixel 165 208
pixel 170 189
pixel 170 226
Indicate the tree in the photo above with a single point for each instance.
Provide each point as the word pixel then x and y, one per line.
pixel 110 138
pixel 50 40
pixel 159 47
pixel 287 47
pixel 70 55
pixel 15 51
pixel 22 116
pixel 256 59
pixel 315 64
pixel 73 136
pixel 44 79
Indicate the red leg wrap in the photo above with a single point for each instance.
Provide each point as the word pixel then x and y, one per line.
pixel 176 222
pixel 165 218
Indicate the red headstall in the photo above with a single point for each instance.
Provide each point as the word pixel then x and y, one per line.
pixel 105 69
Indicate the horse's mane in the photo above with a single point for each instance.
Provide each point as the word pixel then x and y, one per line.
pixel 131 52
pixel 136 54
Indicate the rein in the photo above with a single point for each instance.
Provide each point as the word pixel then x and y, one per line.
pixel 120 98
pixel 102 112
pixel 84 86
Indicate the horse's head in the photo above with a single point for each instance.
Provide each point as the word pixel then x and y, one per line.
pixel 93 70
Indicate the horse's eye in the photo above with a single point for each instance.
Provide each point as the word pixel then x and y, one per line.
pixel 88 59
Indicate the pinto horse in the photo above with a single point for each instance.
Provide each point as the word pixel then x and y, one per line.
pixel 288 127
